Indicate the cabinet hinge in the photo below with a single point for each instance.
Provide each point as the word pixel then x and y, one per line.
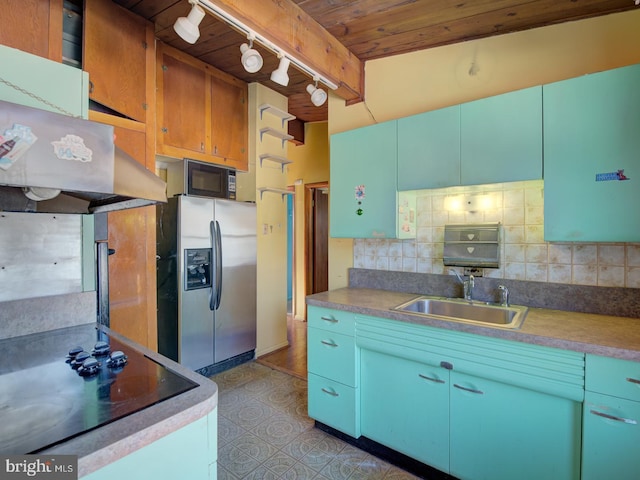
pixel 145 45
pixel 145 106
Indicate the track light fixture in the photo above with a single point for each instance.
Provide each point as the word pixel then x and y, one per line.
pixel 280 75
pixel 251 58
pixel 318 96
pixel 187 27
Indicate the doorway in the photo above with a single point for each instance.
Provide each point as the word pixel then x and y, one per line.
pixel 317 237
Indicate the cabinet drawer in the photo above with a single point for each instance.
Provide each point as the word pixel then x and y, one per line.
pixel 334 404
pixel 333 320
pixel 613 376
pixel 332 355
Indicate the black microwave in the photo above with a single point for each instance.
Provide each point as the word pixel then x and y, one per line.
pixel 201 179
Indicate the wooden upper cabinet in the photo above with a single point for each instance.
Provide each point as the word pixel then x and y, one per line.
pixel 229 119
pixel 181 106
pixel 116 44
pixel 202 112
pixel 33 26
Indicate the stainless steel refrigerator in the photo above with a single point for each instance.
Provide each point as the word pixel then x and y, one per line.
pixel 206 266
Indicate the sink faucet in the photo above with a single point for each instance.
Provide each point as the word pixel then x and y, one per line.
pixel 468 288
pixel 504 295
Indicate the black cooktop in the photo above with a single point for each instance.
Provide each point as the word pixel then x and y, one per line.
pixel 45 399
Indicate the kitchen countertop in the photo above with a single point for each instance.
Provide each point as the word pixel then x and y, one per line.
pixel 605 335
pixel 97 448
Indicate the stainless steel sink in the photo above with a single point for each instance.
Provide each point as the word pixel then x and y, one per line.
pixel 460 310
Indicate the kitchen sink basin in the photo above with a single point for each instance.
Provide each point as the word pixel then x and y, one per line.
pixel 466 311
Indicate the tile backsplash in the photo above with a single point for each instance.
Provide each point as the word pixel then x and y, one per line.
pixel 524 255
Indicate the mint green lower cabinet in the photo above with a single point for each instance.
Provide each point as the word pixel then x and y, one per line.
pixel 334 404
pixel 190 452
pixel 502 432
pixel 591 132
pixel 365 157
pixel 333 370
pixel 611 438
pixel 406 407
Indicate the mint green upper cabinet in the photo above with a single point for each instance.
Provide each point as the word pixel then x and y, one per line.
pixel 592 132
pixel 501 138
pixel 46 84
pixel 366 156
pixel 429 149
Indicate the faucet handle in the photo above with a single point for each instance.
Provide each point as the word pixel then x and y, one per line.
pixel 504 295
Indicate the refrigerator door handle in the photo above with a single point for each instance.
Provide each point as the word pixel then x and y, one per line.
pixel 214 260
pixel 218 255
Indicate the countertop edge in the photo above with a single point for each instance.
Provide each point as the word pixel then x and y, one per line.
pixel 107 444
pixel 580 332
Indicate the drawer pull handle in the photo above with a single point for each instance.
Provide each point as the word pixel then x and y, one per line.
pixel 628 421
pixel 329 392
pixel 472 390
pixel 328 344
pixel 633 380
pixel 329 319
pixel 435 380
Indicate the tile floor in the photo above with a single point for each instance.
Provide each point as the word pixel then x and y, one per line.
pixel 264 433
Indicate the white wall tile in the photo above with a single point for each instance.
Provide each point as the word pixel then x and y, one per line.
pixel 611 255
pixel 524 254
pixel 611 276
pixel 559 253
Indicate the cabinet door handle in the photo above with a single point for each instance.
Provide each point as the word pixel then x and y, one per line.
pixel 329 344
pixel 633 380
pixel 329 319
pixel 629 421
pixel 435 380
pixel 472 390
pixel 329 392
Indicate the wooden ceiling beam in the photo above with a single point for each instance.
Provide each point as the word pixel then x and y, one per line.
pixel 286 25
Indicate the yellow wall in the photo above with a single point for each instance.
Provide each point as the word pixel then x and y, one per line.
pixel 310 165
pixel 271 219
pixel 404 85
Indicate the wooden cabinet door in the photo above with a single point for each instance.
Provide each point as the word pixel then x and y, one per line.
pixel 364 157
pixel 501 138
pixel 429 150
pixel 183 108
pixel 229 120
pixel 591 145
pixel 115 55
pixel 405 406
pixel 33 26
pixel 502 432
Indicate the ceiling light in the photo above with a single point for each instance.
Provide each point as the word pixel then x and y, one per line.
pixel 318 96
pixel 187 27
pixel 251 59
pixel 279 75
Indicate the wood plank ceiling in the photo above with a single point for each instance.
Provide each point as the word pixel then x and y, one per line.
pixel 369 29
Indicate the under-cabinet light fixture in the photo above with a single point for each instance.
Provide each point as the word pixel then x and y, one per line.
pixel 236 24
pixel 280 75
pixel 318 96
pixel 187 27
pixel 251 58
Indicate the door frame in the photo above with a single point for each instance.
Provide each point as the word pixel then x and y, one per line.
pixel 309 189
